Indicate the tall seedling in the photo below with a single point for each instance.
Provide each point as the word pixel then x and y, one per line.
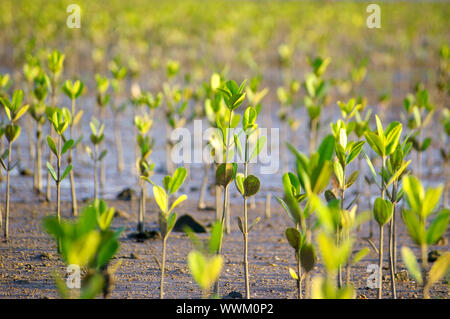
pixel 167 216
pixel 37 111
pixel 145 167
pixel 14 110
pixel 102 97
pixel 90 244
pixel 60 120
pixel 383 143
pixel 97 155
pixel 422 204
pixel 55 65
pixel 204 264
pixel 312 177
pixel 316 95
pixel 248 185
pixel 73 90
pixel 233 96
pixel 119 73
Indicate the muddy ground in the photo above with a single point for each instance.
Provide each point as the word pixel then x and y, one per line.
pixel 29 259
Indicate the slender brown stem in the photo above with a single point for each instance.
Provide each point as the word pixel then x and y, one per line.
pixel 380 265
pixel 7 191
pixel 163 267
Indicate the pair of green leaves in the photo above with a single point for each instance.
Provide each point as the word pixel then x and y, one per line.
pixel 384 142
pixel 87 242
pixel 73 90
pixel 382 211
pixel 247 186
pixel 233 94
pixel 14 108
pixel 55 62
pixel 60 118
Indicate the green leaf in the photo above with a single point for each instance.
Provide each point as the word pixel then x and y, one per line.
pixel 352 179
pixel 294 238
pixel 177 180
pixel 411 264
pixel 216 235
pixel 66 171
pixel 67 145
pixel 52 145
pixel 251 185
pixel 382 210
pixel 178 201
pixel 360 255
pixel 398 173
pixel 204 271
pixel 259 145
pixel 439 269
pixel 293 273
pixel 52 171
pixel 239 181
pixel 225 173
pixel 438 227
pixel 339 172
pixel 161 198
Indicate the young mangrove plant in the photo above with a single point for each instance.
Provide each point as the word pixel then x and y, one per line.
pixel 346 152
pixel 60 120
pixel 37 112
pixel 248 185
pixel 55 62
pixel 383 143
pixel 119 73
pixel 422 204
pixel 233 96
pixel 97 155
pixel 89 243
pixel 335 251
pixel 420 114
pixel 204 263
pixel 102 98
pixel 312 176
pixel 145 167
pixel 167 216
pixel 316 95
pixel 14 111
pixel 73 90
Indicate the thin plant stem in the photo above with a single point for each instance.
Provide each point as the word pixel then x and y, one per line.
pixel 7 191
pixel 163 265
pixel 72 175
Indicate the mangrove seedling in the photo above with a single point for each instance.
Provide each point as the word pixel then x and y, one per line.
pixel 14 110
pixel 89 244
pixel 55 62
pixel 248 185
pixel 167 216
pixel 233 96
pixel 73 90
pixel 422 204
pixel 37 112
pixel 145 167
pixel 383 143
pixel 97 155
pixel 60 120
pixel 119 73
pixel 204 263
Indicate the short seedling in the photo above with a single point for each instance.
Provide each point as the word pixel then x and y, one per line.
pixel 14 110
pixel 97 155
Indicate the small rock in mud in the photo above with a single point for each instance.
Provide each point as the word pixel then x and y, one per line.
pixel 126 194
pixel 188 221
pixel 233 295
pixel 26 172
pixel 44 256
pixel 194 189
pixel 402 275
pixel 122 214
pixel 433 256
pixel 134 256
pixel 148 234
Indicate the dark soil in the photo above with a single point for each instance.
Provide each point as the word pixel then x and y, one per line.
pixel 29 259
